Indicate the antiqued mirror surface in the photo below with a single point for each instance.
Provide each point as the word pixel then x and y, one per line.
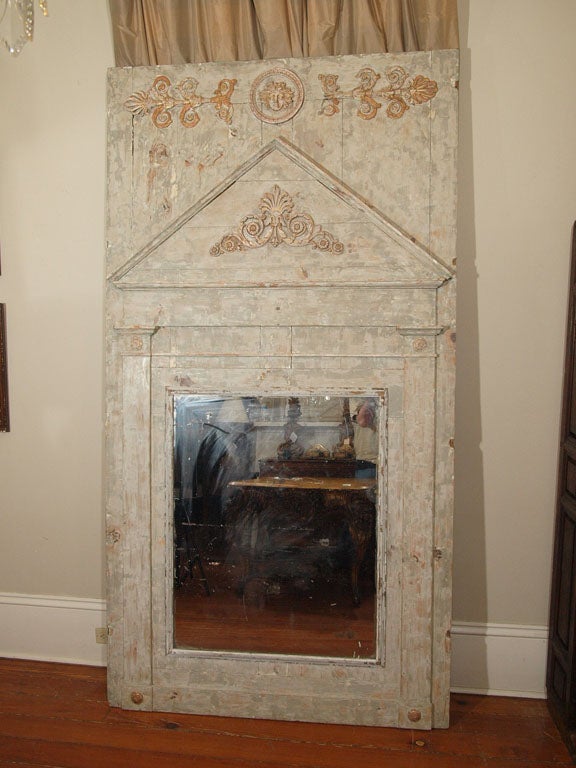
pixel 275 506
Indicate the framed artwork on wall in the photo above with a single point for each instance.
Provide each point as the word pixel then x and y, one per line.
pixel 4 410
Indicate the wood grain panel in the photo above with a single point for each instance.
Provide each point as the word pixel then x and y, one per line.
pixel 56 716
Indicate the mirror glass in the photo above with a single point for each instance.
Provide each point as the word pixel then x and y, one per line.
pixel 275 504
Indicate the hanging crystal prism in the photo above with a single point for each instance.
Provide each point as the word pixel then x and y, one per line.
pixel 17 23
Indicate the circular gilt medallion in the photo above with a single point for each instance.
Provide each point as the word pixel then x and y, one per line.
pixel 276 95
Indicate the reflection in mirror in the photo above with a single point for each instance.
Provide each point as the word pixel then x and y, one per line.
pixel 274 524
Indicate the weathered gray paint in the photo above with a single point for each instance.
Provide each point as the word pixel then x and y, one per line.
pixel 372 313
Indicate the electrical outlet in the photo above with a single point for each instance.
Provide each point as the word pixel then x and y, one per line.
pixel 101 634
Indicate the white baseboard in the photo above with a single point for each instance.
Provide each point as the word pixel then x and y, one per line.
pixel 47 628
pixel 496 659
pixel 499 659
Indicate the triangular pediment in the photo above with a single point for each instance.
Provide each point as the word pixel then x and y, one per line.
pixel 281 219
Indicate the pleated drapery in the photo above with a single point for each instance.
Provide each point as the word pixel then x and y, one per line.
pixel 190 31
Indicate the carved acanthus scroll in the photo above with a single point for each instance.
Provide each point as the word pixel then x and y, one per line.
pixel 163 97
pixel 401 92
pixel 277 223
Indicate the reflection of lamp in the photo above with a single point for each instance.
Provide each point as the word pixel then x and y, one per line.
pixel 17 23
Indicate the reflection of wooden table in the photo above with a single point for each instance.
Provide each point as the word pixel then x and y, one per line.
pixel 309 483
pixel 307 467
pixel 348 498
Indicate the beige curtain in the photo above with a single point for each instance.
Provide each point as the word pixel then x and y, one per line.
pixel 183 31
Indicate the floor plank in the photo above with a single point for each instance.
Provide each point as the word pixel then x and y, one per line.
pixel 56 716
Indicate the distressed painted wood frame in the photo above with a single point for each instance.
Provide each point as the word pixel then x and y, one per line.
pixel 279 228
pixel 4 407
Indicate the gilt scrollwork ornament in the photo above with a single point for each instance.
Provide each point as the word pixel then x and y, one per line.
pixel 277 223
pixel 401 92
pixel 162 98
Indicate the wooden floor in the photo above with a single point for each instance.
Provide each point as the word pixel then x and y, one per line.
pixel 320 621
pixel 56 715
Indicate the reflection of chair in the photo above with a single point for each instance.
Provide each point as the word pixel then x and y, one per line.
pixel 282 533
pixel 187 552
pixel 359 512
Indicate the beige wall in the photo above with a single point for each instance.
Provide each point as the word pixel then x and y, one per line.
pixel 52 140
pixel 517 203
pixel 517 192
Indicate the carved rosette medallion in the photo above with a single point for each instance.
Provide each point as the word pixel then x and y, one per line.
pixel 277 223
pixel 162 98
pixel 401 93
pixel 419 345
pixel 276 95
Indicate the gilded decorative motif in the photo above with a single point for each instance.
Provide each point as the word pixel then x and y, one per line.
pixel 276 95
pixel 401 93
pixel 113 535
pixel 276 223
pixel 419 345
pixel 158 196
pixel 162 98
pixel 136 343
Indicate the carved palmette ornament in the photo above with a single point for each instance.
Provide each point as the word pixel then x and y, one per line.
pixel 277 223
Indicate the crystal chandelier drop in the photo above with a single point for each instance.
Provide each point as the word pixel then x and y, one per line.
pixel 17 23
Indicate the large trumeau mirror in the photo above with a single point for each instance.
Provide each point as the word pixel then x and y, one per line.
pixel 280 335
